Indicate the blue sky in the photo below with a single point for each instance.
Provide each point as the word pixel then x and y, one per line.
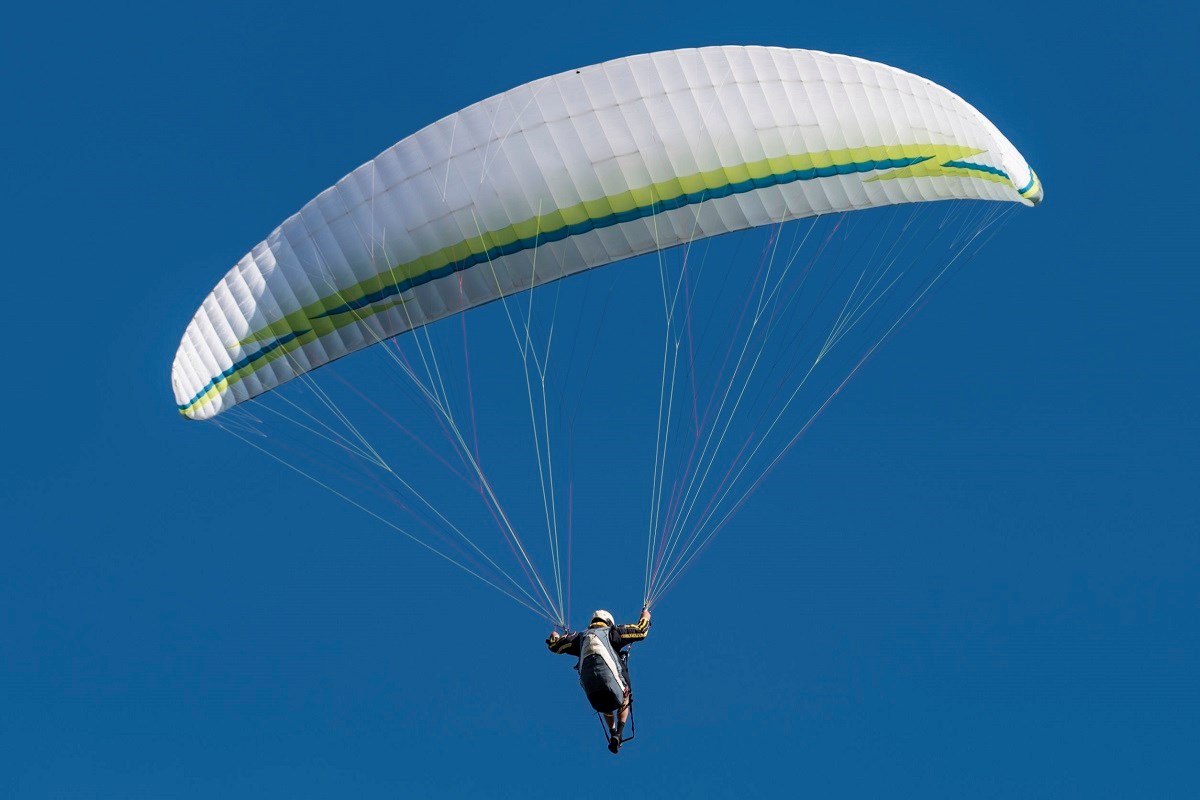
pixel 979 573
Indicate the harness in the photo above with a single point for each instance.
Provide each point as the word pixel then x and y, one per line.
pixel 597 643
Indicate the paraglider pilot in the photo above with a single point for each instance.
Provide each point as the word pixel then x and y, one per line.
pixel 603 666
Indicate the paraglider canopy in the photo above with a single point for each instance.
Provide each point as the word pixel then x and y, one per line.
pixel 586 167
pixel 582 170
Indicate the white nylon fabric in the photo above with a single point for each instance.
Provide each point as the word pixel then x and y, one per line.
pixel 593 645
pixel 582 135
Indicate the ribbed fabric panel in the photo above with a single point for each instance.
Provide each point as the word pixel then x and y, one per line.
pixel 639 154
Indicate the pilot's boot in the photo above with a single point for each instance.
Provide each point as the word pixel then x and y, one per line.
pixel 614 741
